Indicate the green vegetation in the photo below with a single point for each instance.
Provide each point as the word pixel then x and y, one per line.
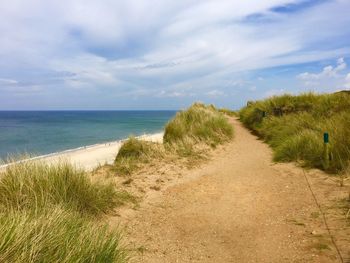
pixel 56 235
pixel 229 112
pixel 35 186
pixel 48 213
pixel 294 126
pixel 186 135
pixel 134 153
pixel 199 123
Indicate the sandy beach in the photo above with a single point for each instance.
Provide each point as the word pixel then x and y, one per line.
pixel 89 157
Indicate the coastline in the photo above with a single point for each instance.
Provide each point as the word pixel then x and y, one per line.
pixel 90 156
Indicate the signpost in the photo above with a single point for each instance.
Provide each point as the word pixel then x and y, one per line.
pixel 326 150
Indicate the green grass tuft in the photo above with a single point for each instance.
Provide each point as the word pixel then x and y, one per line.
pixel 36 185
pixel 48 213
pixel 199 123
pixel 134 153
pixel 56 235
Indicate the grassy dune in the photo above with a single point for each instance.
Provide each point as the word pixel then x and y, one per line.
pixel 199 123
pixel 294 126
pixel 48 214
pixel 187 135
pixel 134 153
pixel 53 213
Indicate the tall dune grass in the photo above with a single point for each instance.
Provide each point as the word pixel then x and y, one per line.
pixel 294 127
pixel 35 185
pixel 199 123
pixel 48 214
pixel 134 153
pixel 186 135
pixel 56 235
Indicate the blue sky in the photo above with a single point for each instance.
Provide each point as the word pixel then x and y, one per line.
pixel 165 54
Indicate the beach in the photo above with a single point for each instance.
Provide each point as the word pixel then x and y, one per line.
pixel 89 157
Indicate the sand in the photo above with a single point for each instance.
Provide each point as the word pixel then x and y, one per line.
pixel 237 207
pixel 90 157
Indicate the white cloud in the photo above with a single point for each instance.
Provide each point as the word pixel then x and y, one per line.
pixel 215 93
pixel 8 81
pixel 331 76
pixel 172 94
pixel 347 82
pixel 327 72
pixel 167 45
pixel 274 92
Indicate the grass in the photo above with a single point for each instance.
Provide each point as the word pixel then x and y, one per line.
pixel 36 185
pixel 188 135
pixel 294 126
pixel 56 235
pixel 229 112
pixel 321 246
pixel 48 214
pixel 199 123
pixel 134 153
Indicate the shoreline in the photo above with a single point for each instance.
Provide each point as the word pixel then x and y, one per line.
pixel 90 156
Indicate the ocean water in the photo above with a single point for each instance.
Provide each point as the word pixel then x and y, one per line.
pixel 44 132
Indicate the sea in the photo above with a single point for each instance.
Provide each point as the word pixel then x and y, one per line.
pixel 45 132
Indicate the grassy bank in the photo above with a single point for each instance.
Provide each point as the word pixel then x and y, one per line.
pixel 188 135
pixel 135 153
pixel 198 124
pixel 48 213
pixel 294 126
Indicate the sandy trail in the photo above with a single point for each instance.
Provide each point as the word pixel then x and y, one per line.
pixel 90 157
pixel 239 207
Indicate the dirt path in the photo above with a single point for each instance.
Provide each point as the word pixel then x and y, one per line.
pixel 239 207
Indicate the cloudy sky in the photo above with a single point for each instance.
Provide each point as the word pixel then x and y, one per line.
pixel 165 54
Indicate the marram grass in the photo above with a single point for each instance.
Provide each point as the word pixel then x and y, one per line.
pixel 48 213
pixel 199 123
pixel 35 185
pixel 56 235
pixel 134 153
pixel 294 126
pixel 186 135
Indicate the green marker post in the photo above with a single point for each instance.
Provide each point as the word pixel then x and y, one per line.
pixel 326 150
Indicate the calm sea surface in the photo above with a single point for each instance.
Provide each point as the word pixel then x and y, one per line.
pixel 43 132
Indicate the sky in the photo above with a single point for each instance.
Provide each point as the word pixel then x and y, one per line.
pixel 166 54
